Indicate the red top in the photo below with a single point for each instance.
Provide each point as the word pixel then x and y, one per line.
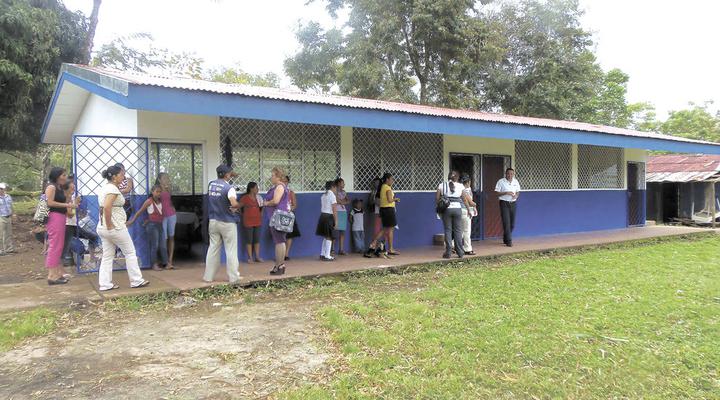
pixel 155 212
pixel 251 211
pixel 167 205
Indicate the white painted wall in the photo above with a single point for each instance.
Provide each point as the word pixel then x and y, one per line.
pixel 475 145
pixel 638 155
pixel 185 128
pixel 105 118
pixel 346 157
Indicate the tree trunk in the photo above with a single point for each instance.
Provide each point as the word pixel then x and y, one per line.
pixel 90 39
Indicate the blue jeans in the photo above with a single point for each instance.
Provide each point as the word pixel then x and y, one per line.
pixel 158 244
pixel 358 239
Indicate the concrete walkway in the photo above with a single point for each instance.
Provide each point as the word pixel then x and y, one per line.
pixel 189 276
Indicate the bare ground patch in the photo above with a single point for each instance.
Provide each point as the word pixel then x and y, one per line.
pixel 231 351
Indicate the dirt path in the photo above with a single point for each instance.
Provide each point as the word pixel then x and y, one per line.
pixel 206 352
pixel 27 263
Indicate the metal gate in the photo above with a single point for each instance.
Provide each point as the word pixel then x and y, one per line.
pixel 91 156
pixel 635 193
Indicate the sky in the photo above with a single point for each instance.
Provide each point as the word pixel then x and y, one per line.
pixel 669 48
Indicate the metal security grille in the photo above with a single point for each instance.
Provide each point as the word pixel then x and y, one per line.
pixel 310 154
pixel 182 162
pixel 600 167
pixel 92 155
pixel 543 166
pixel 415 159
pixel 641 175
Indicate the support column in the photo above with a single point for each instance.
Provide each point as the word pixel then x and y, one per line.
pixel 574 167
pixel 712 203
pixel 346 157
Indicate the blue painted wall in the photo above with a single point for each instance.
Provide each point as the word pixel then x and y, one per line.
pixel 544 213
pixel 538 213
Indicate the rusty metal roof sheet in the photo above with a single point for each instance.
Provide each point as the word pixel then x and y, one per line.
pixel 353 102
pixel 683 168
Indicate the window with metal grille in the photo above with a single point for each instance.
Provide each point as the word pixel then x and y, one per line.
pixel 310 154
pixel 183 164
pixel 543 165
pixel 600 167
pixel 94 154
pixel 415 159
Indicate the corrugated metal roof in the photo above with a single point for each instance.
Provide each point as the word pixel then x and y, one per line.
pixel 353 102
pixel 682 168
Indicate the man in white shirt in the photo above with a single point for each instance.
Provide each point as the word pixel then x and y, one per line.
pixel 509 190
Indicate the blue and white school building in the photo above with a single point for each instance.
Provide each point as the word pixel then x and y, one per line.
pixel 576 177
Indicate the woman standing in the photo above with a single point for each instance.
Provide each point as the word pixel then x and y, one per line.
pixel 169 216
pixel 328 219
pixel 252 221
pixel 469 210
pixel 341 223
pixel 113 232
pixel 57 217
pixel 386 200
pixel 296 231
pixel 277 198
pixel 452 216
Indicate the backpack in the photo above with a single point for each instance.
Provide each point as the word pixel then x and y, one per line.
pixel 443 202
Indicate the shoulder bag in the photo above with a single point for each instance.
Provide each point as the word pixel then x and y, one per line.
pixel 443 202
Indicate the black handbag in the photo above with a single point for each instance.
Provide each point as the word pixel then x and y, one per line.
pixel 443 202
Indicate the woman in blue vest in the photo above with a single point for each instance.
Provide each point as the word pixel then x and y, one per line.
pixel 222 228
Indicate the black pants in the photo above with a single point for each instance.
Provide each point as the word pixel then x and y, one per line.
pixel 507 213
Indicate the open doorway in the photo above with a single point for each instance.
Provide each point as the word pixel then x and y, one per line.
pixel 469 164
pixel 183 162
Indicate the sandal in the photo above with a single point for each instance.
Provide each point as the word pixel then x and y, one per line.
pixel 58 281
pixel 114 286
pixel 393 253
pixel 143 284
pixel 170 266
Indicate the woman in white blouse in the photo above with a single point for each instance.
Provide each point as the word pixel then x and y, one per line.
pixel 452 216
pixel 113 232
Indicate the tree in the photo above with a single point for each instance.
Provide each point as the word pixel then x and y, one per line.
pixel 393 46
pixel 696 122
pixel 36 37
pixel 548 68
pixel 527 58
pixel 137 52
pixel 92 26
pixel 239 77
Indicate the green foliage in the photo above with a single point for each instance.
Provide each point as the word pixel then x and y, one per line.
pixel 137 53
pixel 16 327
pixel 548 68
pixel 696 122
pixel 239 77
pixel 632 322
pixel 35 38
pixel 391 47
pixel 23 170
pixel 527 58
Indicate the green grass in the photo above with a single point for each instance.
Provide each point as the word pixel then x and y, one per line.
pixel 25 207
pixel 18 326
pixel 634 322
